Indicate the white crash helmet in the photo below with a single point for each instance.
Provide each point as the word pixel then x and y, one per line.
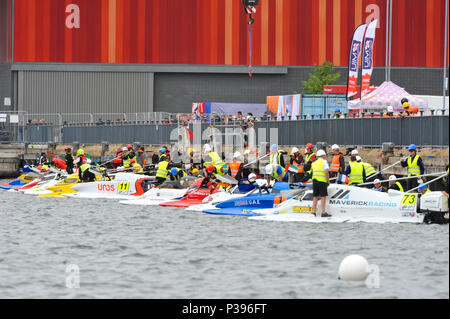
pixel 376 181
pixel 390 109
pixel 124 149
pixel 355 152
pixel 321 153
pixel 252 176
pixel 358 158
pixel 392 178
pixel 206 148
pixel 335 147
pixel 269 169
pixel 294 150
pixel 236 155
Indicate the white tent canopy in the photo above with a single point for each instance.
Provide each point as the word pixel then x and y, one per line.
pixel 388 93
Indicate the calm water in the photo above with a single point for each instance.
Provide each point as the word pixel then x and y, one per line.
pixel 152 252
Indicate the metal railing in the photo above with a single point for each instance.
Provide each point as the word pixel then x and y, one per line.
pixel 371 131
pixel 158 128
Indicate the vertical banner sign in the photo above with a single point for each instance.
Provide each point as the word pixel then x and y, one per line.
pixel 367 57
pixel 355 52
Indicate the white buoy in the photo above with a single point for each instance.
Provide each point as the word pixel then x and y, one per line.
pixel 353 268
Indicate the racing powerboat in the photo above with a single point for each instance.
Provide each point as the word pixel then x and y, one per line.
pixel 263 198
pixel 168 190
pixel 237 191
pixel 193 196
pixel 357 204
pixel 18 182
pixel 64 186
pixel 118 186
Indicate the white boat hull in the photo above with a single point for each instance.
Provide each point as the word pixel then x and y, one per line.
pixel 349 204
pixel 155 196
pixel 123 186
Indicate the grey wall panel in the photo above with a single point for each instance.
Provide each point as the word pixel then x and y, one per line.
pixel 5 84
pixel 174 92
pixel 85 92
pixel 94 90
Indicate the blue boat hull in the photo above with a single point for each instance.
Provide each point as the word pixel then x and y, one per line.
pixel 230 212
pixel 17 183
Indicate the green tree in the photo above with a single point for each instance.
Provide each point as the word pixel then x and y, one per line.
pixel 319 77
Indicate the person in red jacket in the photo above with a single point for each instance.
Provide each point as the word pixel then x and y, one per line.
pixel 117 160
pixel 58 163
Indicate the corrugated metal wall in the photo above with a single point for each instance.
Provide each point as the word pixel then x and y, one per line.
pixel 286 32
pixel 85 92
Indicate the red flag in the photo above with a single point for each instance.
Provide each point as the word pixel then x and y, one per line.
pixel 190 134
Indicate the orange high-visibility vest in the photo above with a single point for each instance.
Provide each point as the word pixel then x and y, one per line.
pixel 335 164
pixel 234 168
pixel 299 166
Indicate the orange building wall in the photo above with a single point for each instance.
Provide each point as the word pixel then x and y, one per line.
pixel 286 32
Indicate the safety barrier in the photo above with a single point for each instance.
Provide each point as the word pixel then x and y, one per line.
pixel 370 131
pixel 426 130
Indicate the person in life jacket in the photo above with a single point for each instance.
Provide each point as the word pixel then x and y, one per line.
pixel 141 158
pixel 275 172
pixel 137 168
pixel 117 160
pixel 80 159
pixel 423 189
pixel 209 180
pixel 407 111
pixel 337 166
pixel 415 166
pixel 296 172
pixel 250 183
pixel 69 160
pixel 41 159
pixel 176 173
pixel 368 168
pixel 128 155
pixel 84 174
pixel 236 167
pixel 394 184
pixel 162 172
pixel 390 112
pixel 196 173
pixel 310 156
pixel 162 154
pixel 58 163
pixel 276 156
pixel 355 170
pixel 337 114
pixel 212 158
pixel 321 179
pixel 378 187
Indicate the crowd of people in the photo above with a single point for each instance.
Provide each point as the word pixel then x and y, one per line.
pixel 305 167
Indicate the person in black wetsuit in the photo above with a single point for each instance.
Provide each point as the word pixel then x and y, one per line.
pixel 69 160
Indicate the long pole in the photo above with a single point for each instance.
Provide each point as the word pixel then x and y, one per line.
pixel 386 168
pixel 390 38
pixel 246 165
pixel 444 82
pixel 429 182
pixel 404 178
pixel 387 41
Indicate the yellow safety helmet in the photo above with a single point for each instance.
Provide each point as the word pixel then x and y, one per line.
pixel 80 152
